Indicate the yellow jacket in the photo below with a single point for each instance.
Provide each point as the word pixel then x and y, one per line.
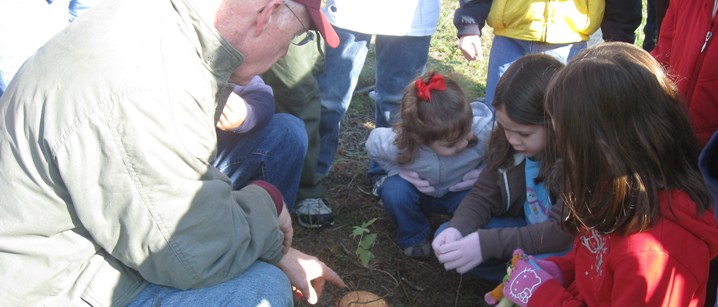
pixel 548 21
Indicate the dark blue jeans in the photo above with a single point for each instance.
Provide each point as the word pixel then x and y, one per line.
pixel 408 208
pixel 273 153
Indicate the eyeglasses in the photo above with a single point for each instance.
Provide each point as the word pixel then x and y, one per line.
pixel 304 38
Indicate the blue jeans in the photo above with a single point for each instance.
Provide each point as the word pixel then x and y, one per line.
pixel 273 153
pixel 262 284
pixel 495 269
pixel 505 51
pixel 399 60
pixel 407 207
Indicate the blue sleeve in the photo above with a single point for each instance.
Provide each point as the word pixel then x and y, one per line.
pixel 471 16
pixel 708 163
pixel 260 104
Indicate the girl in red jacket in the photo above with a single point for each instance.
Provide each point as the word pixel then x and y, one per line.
pixel 628 175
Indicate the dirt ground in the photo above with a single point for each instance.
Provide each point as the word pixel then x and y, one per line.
pixel 401 280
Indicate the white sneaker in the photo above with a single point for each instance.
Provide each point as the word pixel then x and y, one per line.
pixel 314 213
pixel 377 184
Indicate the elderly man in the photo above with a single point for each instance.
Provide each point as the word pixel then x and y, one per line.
pixel 109 193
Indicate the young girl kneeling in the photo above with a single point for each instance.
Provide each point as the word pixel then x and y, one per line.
pixel 628 174
pixel 509 207
pixel 432 156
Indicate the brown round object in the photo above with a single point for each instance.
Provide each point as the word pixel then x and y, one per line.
pixel 361 299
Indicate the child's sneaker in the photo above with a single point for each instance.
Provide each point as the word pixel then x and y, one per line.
pixel 421 250
pixel 377 184
pixel 314 213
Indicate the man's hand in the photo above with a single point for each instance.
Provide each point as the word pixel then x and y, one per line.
pixel 308 274
pixel 233 114
pixel 285 224
pixel 470 46
pixel 463 254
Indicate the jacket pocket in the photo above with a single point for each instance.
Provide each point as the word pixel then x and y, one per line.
pixel 109 282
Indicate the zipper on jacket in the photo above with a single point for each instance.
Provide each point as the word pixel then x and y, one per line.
pixel 710 33
pixel 708 37
pixel 508 191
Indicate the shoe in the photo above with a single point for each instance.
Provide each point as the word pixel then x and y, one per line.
pixel 373 95
pixel 314 213
pixel 419 251
pixel 377 184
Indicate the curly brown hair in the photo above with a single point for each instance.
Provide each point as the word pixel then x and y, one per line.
pixel 446 116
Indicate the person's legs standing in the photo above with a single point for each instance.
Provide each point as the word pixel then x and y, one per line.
pixel 341 72
pixel 650 32
pixel 273 153
pixel 561 52
pixel 262 284
pixel 504 51
pixel 399 61
pixel 296 91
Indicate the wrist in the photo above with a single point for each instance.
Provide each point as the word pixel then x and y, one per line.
pixel 273 193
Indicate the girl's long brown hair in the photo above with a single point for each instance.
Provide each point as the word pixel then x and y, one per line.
pixel 621 135
pixel 520 92
pixel 447 116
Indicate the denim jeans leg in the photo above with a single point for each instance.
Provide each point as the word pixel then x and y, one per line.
pixel 446 204
pixel 561 52
pixel 399 61
pixel 262 284
pixel 336 85
pixel 505 51
pixel 273 153
pixel 402 203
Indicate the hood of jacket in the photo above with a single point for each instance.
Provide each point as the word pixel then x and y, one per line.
pixel 681 210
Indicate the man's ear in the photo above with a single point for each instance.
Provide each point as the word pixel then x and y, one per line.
pixel 265 15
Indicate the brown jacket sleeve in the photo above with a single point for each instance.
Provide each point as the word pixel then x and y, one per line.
pixel 496 194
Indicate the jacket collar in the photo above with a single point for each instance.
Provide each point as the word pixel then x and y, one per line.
pixel 217 54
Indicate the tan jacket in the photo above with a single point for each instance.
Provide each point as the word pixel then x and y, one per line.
pixel 106 142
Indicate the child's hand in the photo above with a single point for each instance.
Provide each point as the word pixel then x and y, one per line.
pixel 525 278
pixel 468 181
pixel 233 114
pixel 449 235
pixel 462 255
pixel 422 185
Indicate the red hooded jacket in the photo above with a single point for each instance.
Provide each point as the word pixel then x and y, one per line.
pixel 685 48
pixel 666 265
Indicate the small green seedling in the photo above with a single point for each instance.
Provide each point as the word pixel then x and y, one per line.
pixel 365 242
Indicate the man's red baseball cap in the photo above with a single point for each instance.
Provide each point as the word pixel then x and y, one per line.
pixel 320 21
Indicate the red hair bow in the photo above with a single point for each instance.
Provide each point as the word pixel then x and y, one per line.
pixel 423 90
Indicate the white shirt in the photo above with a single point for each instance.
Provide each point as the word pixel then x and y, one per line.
pixel 385 17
